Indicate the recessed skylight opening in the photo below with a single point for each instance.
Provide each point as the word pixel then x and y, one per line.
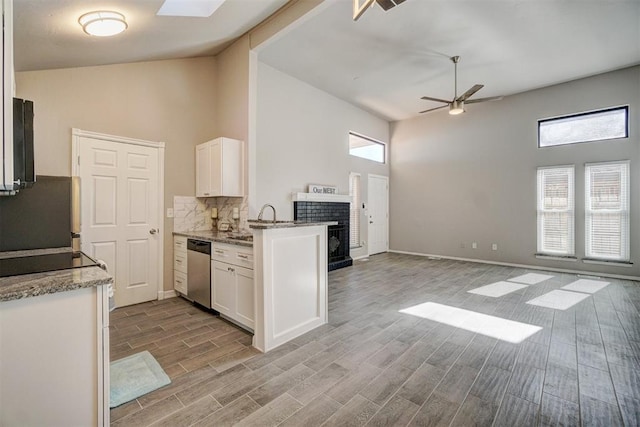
pixel 191 8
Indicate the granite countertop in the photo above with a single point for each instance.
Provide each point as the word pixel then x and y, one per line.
pixel 31 285
pixel 266 225
pixel 33 252
pixel 217 236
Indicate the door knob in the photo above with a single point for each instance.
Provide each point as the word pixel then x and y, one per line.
pixel 153 231
pixel 370 222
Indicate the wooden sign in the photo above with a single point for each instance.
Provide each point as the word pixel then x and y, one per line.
pixel 322 189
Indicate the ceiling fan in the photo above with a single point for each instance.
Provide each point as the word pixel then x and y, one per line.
pixel 359 9
pixel 456 105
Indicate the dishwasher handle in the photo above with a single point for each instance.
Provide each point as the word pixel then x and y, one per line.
pixel 201 246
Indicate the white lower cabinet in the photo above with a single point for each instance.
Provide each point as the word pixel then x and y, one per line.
pixel 180 264
pixel 245 311
pixel 54 354
pixel 223 295
pixel 232 286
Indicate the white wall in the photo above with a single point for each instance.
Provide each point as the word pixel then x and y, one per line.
pixel 232 90
pixel 302 139
pixel 171 101
pixel 460 179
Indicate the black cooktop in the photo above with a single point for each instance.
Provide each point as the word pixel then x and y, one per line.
pixel 43 263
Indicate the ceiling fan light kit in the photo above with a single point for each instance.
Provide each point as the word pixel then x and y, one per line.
pixel 456 105
pixel 456 108
pixel 103 23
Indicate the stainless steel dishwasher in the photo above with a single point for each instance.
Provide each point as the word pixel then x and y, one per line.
pixel 199 271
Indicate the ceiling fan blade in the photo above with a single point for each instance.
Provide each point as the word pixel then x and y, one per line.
pixel 491 98
pixel 434 109
pixel 388 4
pixel 428 98
pixel 470 92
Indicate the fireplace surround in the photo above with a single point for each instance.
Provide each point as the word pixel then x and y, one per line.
pixel 338 235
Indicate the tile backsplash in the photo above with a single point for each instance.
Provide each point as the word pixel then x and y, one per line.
pixel 225 207
pixel 194 214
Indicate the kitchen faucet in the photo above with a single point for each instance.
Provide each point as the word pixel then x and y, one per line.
pixel 262 211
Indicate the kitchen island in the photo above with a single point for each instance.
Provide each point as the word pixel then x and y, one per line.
pixel 290 280
pixel 54 348
pixel 286 294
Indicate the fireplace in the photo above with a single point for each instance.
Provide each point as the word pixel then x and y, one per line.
pixel 337 236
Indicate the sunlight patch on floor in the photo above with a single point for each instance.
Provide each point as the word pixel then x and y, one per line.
pixel 497 289
pixel 586 285
pixel 531 278
pixel 559 300
pixel 491 326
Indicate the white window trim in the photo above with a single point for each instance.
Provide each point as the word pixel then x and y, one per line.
pixel 582 114
pixel 571 250
pixel 625 238
pixel 355 226
pixel 373 140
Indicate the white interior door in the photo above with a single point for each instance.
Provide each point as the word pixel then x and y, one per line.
pixel 378 214
pixel 120 199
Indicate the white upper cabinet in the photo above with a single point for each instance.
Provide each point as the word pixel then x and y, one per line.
pixel 219 168
pixel 6 107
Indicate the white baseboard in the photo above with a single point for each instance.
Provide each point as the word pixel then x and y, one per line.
pixel 167 294
pixel 531 267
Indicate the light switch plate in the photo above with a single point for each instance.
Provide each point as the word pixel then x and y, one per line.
pixel 169 212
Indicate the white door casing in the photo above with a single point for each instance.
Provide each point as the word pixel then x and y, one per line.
pixel 378 214
pixel 121 210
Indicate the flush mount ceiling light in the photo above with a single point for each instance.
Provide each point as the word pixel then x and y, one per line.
pixel 190 8
pixel 103 23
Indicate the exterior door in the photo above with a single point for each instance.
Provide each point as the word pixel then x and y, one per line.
pixel 378 199
pixel 120 213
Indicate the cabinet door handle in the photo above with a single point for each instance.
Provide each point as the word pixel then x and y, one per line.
pixel 219 252
pixel 243 256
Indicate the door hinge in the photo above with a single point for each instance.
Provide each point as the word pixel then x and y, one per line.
pixel 78 160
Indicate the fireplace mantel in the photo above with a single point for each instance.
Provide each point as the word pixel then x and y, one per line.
pixel 315 197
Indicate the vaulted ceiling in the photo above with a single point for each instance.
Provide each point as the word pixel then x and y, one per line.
pixel 383 63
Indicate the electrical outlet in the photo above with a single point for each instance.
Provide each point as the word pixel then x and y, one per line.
pixel 494 246
pixel 474 245
pixel 169 212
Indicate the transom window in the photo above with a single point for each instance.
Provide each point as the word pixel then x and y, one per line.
pixel 367 148
pixel 611 123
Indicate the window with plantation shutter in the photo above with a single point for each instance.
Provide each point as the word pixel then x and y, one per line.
pixel 556 211
pixel 356 203
pixel 607 211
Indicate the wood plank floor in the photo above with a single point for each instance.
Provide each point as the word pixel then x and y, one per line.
pixel 372 365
